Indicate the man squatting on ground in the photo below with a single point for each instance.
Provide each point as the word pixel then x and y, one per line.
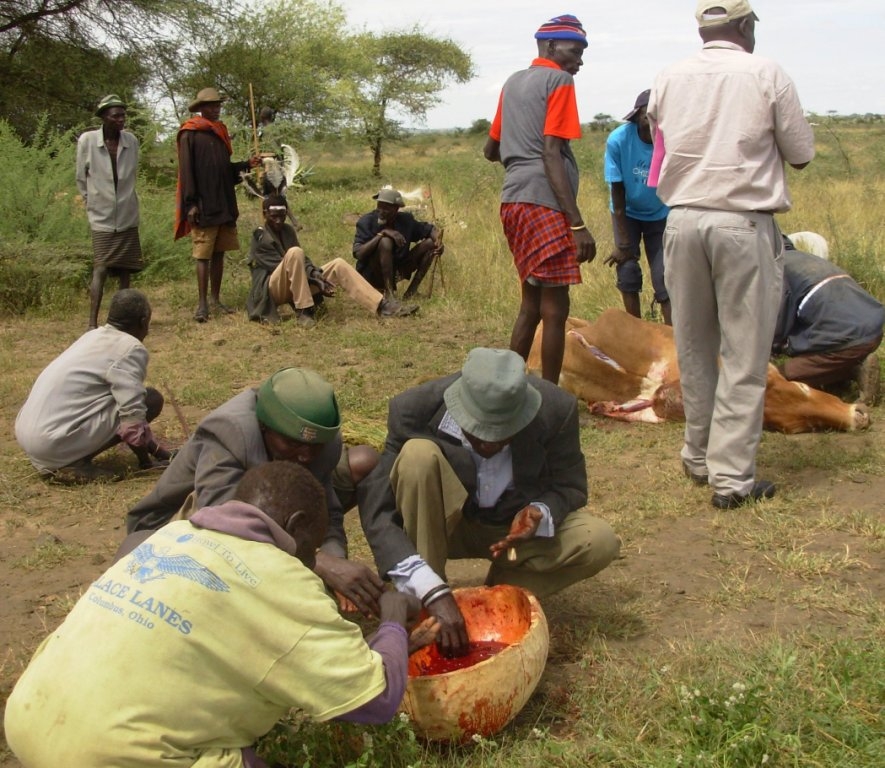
pixel 107 167
pixel 206 198
pixel 92 396
pixel 638 215
pixel 283 274
pixel 382 245
pixel 537 116
pixel 828 326
pixel 729 122
pixel 474 464
pixel 293 416
pixel 194 645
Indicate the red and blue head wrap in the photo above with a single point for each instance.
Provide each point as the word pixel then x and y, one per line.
pixel 565 27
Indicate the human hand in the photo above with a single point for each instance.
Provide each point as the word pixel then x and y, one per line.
pixel 327 287
pixel 353 581
pixel 254 161
pixel 423 633
pixel 522 528
pixel 399 607
pixel 618 256
pixel 452 639
pixel 397 237
pixel 193 216
pixel 438 249
pixel 586 245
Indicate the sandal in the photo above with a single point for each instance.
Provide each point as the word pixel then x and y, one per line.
pixel 201 315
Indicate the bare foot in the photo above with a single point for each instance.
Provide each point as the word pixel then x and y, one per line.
pixel 423 634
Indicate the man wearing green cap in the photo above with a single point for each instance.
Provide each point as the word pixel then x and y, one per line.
pixel 293 416
pixel 107 167
pixel 478 464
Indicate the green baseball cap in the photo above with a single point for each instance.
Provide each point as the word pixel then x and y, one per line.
pixel 300 404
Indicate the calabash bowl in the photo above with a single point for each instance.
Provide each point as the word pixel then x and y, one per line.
pixel 482 698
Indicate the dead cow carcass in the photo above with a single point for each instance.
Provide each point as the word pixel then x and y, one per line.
pixel 627 369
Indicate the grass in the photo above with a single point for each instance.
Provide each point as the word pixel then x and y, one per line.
pixel 783 601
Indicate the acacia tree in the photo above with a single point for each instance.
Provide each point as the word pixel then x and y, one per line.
pixel 60 56
pixel 399 72
pixel 292 52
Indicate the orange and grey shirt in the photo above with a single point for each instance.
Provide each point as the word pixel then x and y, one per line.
pixel 535 102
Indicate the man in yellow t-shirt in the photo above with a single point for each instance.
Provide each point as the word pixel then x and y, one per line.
pixel 192 646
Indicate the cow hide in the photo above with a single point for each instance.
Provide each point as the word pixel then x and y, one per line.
pixel 626 368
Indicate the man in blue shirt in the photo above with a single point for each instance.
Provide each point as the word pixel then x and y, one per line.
pixel 637 212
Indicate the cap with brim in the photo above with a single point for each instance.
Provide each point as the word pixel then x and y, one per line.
pixel 711 13
pixel 205 96
pixel 300 404
pixel 492 399
pixel 641 101
pixel 111 100
pixel 565 27
pixel 389 195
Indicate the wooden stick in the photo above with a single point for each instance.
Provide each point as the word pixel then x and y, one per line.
pixel 254 121
pixel 178 412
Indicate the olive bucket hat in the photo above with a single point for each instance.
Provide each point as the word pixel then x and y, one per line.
pixel 493 399
pixel 111 100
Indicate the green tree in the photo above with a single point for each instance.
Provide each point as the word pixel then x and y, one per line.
pixel 58 57
pixel 292 52
pixel 399 72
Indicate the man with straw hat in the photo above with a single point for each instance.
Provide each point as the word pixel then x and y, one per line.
pixel 484 463
pixel 206 200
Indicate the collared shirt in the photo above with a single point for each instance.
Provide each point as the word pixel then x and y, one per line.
pixel 731 120
pixel 494 475
pixel 110 207
pixel 81 398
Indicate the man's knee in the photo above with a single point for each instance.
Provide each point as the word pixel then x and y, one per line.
pixel 416 458
pixel 293 258
pixel 592 541
pixel 154 401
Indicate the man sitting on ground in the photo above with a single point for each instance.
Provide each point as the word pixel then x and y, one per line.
pixel 194 645
pixel 828 326
pixel 92 396
pixel 382 245
pixel 476 464
pixel 283 274
pixel 293 416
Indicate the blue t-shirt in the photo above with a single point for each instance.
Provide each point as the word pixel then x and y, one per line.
pixel 627 159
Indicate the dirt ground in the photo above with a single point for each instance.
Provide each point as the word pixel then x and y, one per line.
pixel 687 572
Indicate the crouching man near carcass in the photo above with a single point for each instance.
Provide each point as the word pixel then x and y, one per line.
pixel 477 464
pixel 828 326
pixel 194 645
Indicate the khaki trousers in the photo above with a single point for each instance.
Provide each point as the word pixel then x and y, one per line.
pixel 723 272
pixel 430 498
pixel 288 282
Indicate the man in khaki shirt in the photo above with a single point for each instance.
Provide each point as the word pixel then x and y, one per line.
pixel 728 121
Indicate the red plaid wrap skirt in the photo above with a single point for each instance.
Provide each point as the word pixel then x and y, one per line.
pixel 541 243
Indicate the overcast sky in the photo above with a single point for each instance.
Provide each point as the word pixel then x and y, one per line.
pixel 833 49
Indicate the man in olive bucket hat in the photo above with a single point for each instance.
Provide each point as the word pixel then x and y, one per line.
pixel 293 416
pixel 483 463
pixel 106 171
